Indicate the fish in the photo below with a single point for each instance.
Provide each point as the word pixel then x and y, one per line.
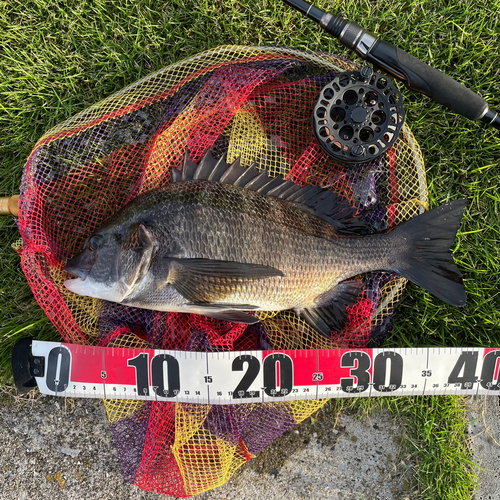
pixel 227 241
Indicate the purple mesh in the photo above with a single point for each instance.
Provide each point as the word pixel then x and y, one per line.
pixel 130 434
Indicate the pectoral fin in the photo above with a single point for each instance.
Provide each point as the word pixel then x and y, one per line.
pixel 205 281
pixel 333 314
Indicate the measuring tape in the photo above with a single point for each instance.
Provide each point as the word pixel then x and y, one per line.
pixel 260 376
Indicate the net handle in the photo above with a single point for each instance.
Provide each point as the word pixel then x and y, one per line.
pixel 9 205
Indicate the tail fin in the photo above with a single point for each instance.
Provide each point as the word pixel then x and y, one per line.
pixel 429 262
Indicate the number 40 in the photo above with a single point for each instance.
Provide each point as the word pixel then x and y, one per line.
pixel 467 364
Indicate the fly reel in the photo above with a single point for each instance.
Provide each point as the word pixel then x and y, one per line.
pixel 358 116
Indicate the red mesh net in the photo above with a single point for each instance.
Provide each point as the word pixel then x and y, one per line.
pixel 248 102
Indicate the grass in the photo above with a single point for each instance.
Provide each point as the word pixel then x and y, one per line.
pixel 58 57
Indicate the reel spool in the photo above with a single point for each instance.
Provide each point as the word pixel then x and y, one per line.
pixel 358 116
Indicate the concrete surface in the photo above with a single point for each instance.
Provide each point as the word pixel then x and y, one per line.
pixel 484 431
pixel 57 449
pixel 52 448
pixel 352 460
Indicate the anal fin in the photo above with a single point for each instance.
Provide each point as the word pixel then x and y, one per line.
pixel 331 313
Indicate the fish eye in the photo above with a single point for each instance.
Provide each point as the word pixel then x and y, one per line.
pixel 95 243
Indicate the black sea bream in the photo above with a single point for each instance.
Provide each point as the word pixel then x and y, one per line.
pixel 222 240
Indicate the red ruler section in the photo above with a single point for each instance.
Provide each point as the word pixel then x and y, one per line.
pixel 259 376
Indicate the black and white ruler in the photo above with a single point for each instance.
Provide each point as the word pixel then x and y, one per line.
pixel 261 376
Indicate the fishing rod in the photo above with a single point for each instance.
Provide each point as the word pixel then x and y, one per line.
pixel 415 74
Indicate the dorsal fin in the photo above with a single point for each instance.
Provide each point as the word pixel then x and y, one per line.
pixel 189 168
pixel 205 167
pixel 258 181
pixel 233 173
pixel 284 190
pixel 322 202
pixel 248 175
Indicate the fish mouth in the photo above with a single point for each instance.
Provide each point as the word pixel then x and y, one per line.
pixel 80 265
pixel 91 288
pixel 78 272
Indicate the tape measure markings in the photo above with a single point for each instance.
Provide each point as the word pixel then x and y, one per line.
pixel 260 376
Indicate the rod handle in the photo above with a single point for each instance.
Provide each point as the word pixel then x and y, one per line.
pixel 423 78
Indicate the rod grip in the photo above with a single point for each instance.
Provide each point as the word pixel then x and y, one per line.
pixel 9 205
pixel 430 81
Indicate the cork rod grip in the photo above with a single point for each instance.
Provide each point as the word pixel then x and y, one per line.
pixel 9 205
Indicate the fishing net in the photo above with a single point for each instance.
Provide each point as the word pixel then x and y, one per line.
pixel 250 102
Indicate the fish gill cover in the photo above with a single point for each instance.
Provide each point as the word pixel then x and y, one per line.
pixel 250 102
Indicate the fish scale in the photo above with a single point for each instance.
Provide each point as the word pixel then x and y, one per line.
pixel 249 239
